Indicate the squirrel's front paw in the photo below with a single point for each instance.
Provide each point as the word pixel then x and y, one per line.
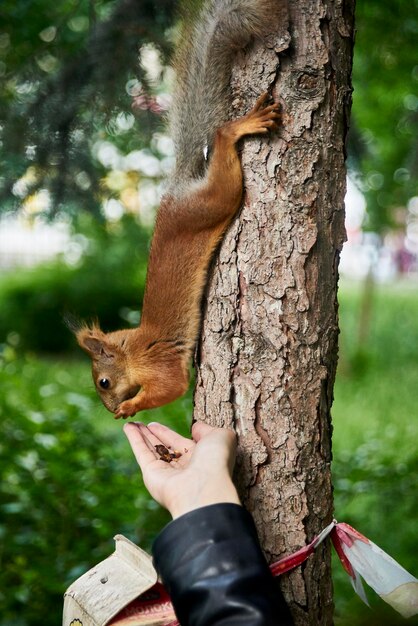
pixel 128 408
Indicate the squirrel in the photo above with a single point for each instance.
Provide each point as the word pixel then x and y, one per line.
pixel 148 366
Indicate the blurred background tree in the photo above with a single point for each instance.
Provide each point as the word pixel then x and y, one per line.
pixel 72 76
pixel 82 90
pixel 383 149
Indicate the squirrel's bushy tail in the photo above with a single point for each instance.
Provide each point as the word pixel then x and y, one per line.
pixel 203 65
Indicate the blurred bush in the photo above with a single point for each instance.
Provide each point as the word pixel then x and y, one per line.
pixel 68 481
pixel 106 282
pixel 68 484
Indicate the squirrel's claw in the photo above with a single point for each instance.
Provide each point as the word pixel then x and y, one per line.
pixel 126 409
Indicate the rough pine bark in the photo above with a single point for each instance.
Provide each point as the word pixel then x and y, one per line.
pixel 268 351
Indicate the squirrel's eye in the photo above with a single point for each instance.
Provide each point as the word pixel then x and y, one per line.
pixel 104 383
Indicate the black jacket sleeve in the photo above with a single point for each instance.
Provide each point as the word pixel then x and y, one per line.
pixel 211 564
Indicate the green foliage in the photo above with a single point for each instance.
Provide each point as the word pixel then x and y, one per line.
pixel 385 106
pixel 108 283
pixel 375 465
pixel 69 483
pixel 376 495
pixel 65 69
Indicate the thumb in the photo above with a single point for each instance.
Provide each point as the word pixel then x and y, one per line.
pixel 200 430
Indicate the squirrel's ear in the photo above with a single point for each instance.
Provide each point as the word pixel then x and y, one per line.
pixel 94 342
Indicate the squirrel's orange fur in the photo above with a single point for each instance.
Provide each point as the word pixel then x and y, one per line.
pixel 148 366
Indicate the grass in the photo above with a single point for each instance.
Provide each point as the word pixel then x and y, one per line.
pixel 375 463
pixel 377 391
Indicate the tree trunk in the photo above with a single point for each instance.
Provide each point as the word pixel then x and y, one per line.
pixel 268 352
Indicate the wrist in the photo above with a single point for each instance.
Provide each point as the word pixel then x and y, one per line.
pixel 224 492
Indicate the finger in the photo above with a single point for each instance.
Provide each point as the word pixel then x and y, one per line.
pixel 142 450
pixel 158 446
pixel 201 429
pixel 227 436
pixel 169 437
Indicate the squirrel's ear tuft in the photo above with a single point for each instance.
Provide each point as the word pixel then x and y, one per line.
pixel 73 323
pixel 94 341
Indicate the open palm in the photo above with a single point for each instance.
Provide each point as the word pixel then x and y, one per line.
pixel 201 474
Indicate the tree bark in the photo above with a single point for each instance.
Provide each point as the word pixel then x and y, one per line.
pixel 268 351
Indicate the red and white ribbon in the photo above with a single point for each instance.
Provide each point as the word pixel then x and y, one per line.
pixel 361 558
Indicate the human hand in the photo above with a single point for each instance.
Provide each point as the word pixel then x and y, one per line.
pixel 200 476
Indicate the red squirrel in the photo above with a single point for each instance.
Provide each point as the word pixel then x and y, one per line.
pixel 146 367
